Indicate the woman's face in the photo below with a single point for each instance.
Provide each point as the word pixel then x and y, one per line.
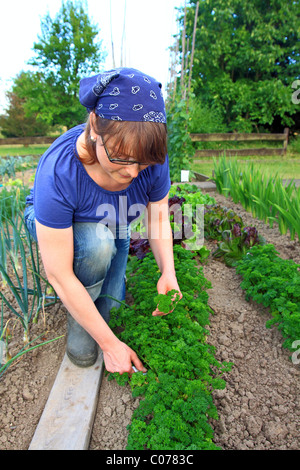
pixel 119 173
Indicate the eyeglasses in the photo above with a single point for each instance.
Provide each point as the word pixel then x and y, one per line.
pixel 123 162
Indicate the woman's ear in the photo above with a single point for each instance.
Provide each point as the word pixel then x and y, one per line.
pixel 92 117
pixel 93 134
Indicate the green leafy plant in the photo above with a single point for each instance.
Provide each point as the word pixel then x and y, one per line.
pixel 187 205
pixel 180 146
pixel 182 370
pixel 234 239
pixel 275 283
pixel 218 219
pixel 183 222
pixel 236 243
pixel 167 302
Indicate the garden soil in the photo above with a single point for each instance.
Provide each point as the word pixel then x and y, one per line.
pixel 259 409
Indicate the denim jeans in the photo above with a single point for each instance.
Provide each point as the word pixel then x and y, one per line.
pixel 100 260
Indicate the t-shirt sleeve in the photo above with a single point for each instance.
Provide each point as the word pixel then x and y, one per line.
pixel 161 182
pixel 54 194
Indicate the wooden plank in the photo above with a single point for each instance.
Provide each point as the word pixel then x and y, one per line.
pixel 68 417
pixel 285 143
pixel 237 137
pixel 200 177
pixel 238 152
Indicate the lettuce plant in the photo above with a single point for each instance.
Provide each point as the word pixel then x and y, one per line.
pixel 182 222
pixel 236 243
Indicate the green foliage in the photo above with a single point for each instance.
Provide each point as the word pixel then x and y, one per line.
pixel 21 281
pixel 167 302
pixel 180 147
pixel 12 198
pixel 21 276
pixel 18 121
pixel 246 59
pixel 67 50
pixel 219 223
pixel 191 193
pixel 204 119
pixel 265 196
pixel 186 203
pixel 275 283
pixel 234 238
pixel 218 219
pixel 236 244
pixel 182 370
pixel 294 146
pixel 10 165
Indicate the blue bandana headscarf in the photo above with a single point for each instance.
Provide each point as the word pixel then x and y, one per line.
pixel 123 94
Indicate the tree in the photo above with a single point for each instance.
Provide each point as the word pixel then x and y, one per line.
pixel 246 59
pixel 16 123
pixel 68 49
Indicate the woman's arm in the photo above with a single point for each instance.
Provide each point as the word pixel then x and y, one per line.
pixel 56 246
pixel 161 243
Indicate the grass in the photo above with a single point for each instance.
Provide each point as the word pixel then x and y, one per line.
pixel 22 150
pixel 286 167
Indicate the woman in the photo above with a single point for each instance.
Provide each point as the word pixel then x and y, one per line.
pixel 90 185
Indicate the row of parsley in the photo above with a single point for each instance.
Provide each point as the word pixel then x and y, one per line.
pixel 182 369
pixel 275 283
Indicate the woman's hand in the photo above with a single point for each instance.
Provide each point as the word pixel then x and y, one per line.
pixel 166 283
pixel 120 357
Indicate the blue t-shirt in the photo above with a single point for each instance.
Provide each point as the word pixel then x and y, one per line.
pixel 64 193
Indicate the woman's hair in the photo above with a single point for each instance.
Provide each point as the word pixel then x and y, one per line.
pixel 141 141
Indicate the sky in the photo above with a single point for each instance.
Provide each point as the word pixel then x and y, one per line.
pixel 149 29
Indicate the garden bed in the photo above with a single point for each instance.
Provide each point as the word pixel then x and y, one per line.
pixel 259 409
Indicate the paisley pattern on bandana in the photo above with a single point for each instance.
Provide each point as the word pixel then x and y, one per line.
pixel 104 80
pixel 123 94
pixel 154 117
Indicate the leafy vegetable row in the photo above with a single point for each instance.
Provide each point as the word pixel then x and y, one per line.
pixel 275 283
pixel 182 369
pixel 233 237
pixel 219 223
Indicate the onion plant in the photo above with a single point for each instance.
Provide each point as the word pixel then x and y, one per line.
pixel 12 203
pixel 7 167
pixel 21 274
pixel 5 336
pixel 2 335
pixel 24 350
pixel 265 196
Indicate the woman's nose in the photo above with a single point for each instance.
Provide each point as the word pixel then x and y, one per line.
pixel 133 170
